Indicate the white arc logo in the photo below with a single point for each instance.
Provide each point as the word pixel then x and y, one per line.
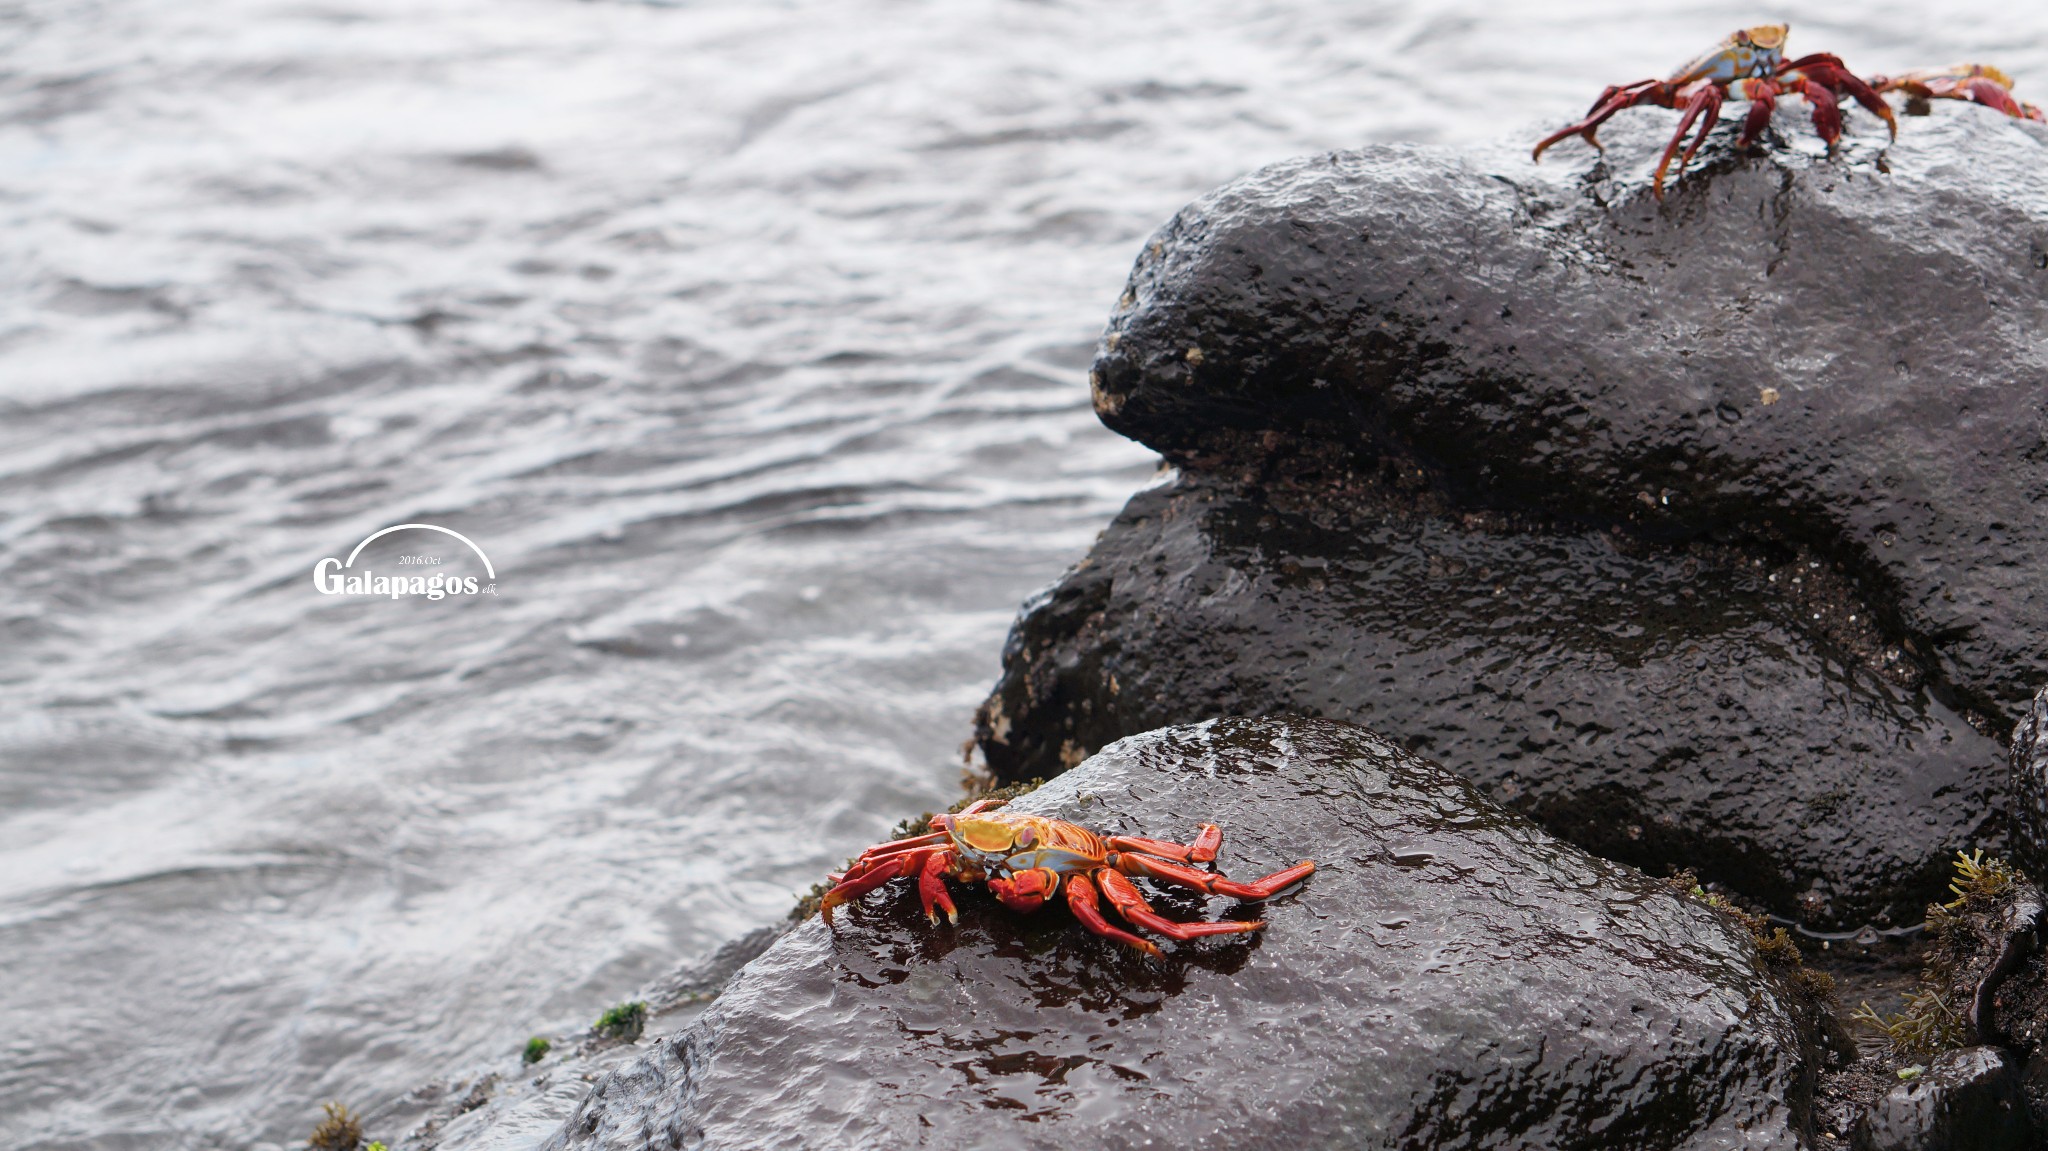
pixel 330 578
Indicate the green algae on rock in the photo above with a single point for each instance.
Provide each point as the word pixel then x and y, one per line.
pixel 625 1021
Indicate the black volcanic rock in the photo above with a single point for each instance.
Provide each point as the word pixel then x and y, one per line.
pixel 2029 765
pixel 1451 978
pixel 1968 1100
pixel 1707 532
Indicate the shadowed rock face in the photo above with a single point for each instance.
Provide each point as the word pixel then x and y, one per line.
pixel 1968 1100
pixel 2029 763
pixel 1661 706
pixel 1706 532
pixel 1452 977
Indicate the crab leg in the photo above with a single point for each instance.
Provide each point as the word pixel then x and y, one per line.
pixel 883 851
pixel 1613 100
pixel 1202 850
pixel 1976 83
pixel 899 846
pixel 944 823
pixel 874 857
pixel 1991 95
pixel 1832 74
pixel 1763 100
pixel 1081 898
pixel 1130 903
pixel 1705 105
pixel 1209 883
pixel 863 882
pixel 931 887
pixel 1827 113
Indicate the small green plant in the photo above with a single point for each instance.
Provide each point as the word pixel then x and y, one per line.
pixel 537 1049
pixel 1710 898
pixel 1687 882
pixel 376 1147
pixel 626 1021
pixel 340 1131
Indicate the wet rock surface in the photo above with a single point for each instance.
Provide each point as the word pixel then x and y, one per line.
pixel 2009 997
pixel 1703 532
pixel 516 1104
pixel 1452 977
pixel 1968 1100
pixel 1953 1066
pixel 2029 779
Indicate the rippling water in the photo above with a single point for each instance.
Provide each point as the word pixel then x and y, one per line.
pixel 747 338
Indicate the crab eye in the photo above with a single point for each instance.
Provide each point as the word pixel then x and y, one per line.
pixel 1026 837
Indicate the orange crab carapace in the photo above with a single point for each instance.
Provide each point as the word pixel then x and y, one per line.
pixel 1028 859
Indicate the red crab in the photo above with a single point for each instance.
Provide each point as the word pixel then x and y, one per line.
pixel 1751 65
pixel 1979 82
pixel 1026 859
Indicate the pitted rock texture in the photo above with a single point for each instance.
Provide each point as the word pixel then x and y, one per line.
pixel 1968 1100
pixel 1653 705
pixel 1452 977
pixel 2029 765
pixel 1704 531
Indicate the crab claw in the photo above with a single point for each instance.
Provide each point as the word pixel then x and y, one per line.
pixel 1827 113
pixel 931 889
pixel 851 889
pixel 1026 890
pixel 1827 70
pixel 1989 94
pixel 1763 100
pixel 1082 900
